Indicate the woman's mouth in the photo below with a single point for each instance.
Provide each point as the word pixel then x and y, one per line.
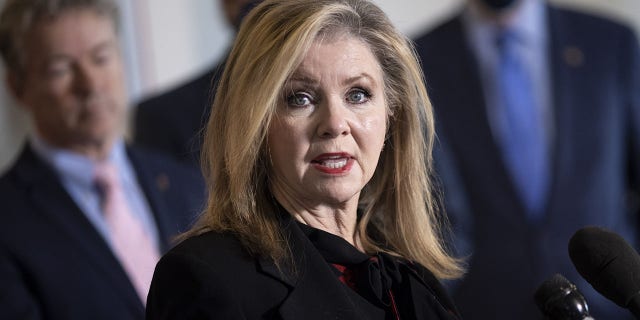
pixel 333 162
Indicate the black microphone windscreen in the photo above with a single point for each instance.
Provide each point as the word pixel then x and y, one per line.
pixel 607 262
pixel 558 298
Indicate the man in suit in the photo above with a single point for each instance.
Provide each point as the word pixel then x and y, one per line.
pixel 84 217
pixel 518 182
pixel 171 122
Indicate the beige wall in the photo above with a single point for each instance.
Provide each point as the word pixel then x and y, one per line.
pixel 168 41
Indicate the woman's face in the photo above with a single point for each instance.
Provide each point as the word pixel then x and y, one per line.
pixel 326 139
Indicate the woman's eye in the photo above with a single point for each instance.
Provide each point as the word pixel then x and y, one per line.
pixel 358 96
pixel 299 100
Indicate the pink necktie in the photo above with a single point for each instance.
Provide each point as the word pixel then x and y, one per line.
pixel 132 245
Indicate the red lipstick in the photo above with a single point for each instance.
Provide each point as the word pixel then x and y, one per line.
pixel 333 163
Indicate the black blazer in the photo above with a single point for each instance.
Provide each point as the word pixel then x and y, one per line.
pixel 54 264
pixel 595 92
pixel 211 276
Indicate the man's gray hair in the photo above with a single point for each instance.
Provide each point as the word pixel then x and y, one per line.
pixel 19 16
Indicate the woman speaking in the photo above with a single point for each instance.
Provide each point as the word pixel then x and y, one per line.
pixel 317 157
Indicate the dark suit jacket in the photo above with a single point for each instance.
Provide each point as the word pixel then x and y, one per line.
pixel 211 276
pixel 595 72
pixel 54 264
pixel 172 122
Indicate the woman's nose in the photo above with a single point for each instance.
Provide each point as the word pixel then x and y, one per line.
pixel 333 119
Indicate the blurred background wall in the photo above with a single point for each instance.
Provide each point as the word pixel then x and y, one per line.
pixel 167 42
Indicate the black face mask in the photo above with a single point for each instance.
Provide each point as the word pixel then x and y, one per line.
pixel 498 4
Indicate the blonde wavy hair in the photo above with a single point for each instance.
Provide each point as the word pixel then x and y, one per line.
pixel 399 213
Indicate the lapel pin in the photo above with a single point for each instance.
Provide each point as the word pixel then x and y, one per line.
pixel 162 182
pixel 573 56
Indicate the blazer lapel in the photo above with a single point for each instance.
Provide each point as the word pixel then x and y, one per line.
pixel 56 205
pixel 315 293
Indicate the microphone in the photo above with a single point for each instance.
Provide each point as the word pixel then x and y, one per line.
pixel 559 299
pixel 609 264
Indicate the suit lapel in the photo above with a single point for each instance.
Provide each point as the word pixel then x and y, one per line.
pixel 314 292
pixel 562 58
pixel 463 117
pixel 154 184
pixel 49 197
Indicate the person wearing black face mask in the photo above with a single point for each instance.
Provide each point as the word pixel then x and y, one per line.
pixel 498 4
pixel 171 122
pixel 537 116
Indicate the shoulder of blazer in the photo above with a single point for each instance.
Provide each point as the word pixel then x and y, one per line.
pixel 222 253
pixel 583 21
pixel 208 247
pixel 196 92
pixel 27 168
pixel 212 276
pixel 24 179
pixel 439 39
pixel 595 35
